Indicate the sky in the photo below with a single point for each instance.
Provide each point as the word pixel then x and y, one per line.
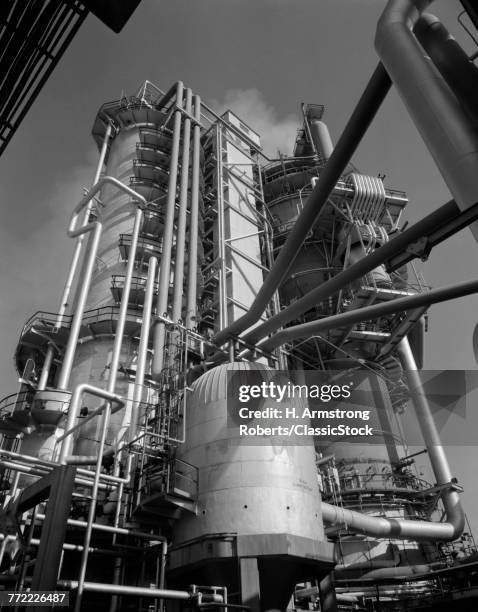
pixel 262 58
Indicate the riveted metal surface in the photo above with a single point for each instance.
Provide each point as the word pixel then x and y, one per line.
pixel 248 489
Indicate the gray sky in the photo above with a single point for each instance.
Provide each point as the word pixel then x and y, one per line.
pixel 262 58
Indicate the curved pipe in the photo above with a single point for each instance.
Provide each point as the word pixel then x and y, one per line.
pixel 412 529
pixel 361 118
pixel 73 232
pixel 165 265
pixel 379 527
pixel 74 410
pixel 451 61
pixel 449 134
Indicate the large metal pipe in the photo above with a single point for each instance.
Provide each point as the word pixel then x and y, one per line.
pixel 356 127
pixel 132 591
pixel 70 350
pixel 182 215
pixel 378 257
pixel 115 358
pixel 452 62
pixel 123 311
pixel 433 443
pixel 407 529
pixel 375 311
pixel 448 132
pixel 402 529
pixel 165 264
pixel 85 282
pixel 191 303
pixel 143 347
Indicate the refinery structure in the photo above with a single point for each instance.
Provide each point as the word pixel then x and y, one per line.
pixel 194 256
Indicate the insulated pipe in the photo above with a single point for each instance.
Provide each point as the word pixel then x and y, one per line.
pixel 378 257
pixel 448 132
pixel 434 296
pixel 165 264
pixel 143 347
pixel 401 529
pixel 191 303
pixel 182 215
pixel 361 118
pixel 451 61
pixel 73 232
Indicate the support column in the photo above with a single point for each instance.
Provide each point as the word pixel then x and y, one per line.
pixel 250 587
pixel 327 597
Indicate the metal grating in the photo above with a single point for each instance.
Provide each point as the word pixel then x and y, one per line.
pixel 34 34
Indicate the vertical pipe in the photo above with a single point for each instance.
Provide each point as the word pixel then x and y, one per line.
pixel 223 319
pixel 193 219
pixel 92 510
pixel 111 386
pixel 115 358
pixel 73 265
pixel 143 347
pixel 430 433
pixel 165 265
pixel 162 571
pixel 67 364
pixel 46 367
pixel 431 437
pixel 182 216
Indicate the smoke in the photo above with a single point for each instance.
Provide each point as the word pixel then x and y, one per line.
pixel 277 133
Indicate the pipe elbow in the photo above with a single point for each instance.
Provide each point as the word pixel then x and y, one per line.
pixel 406 529
pixel 396 15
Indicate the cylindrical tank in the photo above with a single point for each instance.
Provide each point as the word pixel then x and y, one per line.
pixel 246 488
pixel 321 137
pixel 258 509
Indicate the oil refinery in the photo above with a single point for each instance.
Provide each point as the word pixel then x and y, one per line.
pixel 203 269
